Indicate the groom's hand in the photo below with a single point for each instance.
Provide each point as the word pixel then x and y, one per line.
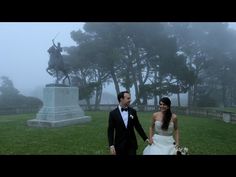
pixel 112 150
pixel 148 141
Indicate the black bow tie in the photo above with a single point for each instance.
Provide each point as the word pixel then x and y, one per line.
pixel 124 109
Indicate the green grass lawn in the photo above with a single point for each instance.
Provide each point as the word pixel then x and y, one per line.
pixel 201 135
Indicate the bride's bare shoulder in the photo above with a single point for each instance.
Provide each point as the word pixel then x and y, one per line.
pixel 157 115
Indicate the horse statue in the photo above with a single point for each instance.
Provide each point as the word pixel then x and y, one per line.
pixel 56 66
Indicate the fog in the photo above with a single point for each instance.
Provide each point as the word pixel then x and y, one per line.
pixel 24 55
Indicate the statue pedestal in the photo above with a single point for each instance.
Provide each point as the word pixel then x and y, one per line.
pixel 60 108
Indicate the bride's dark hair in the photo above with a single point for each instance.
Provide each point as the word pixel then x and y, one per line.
pixel 167 114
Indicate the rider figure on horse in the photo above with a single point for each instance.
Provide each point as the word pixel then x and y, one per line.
pixel 58 49
pixel 56 63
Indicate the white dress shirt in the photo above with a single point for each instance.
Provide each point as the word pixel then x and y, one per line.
pixel 124 115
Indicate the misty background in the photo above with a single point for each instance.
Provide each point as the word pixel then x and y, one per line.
pixel 24 57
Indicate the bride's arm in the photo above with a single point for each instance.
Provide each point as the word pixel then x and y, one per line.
pixel 151 129
pixel 176 132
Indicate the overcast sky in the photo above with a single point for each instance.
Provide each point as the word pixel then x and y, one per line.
pixel 23 49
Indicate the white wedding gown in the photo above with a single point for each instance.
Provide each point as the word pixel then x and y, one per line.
pixel 163 141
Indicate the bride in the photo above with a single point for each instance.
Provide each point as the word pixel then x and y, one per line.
pixel 164 134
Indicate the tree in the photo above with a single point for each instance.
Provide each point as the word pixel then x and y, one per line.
pixel 208 48
pixel 10 97
pixel 7 88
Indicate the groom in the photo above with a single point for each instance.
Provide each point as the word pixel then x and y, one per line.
pixel 122 120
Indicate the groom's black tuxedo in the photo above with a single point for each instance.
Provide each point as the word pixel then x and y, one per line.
pixel 123 138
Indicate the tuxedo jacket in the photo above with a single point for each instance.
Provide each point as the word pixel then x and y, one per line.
pixel 118 134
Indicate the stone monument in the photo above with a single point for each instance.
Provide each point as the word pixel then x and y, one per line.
pixel 60 107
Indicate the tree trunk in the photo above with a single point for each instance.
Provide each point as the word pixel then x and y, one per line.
pixel 155 100
pixel 88 103
pixel 224 95
pixel 115 81
pixel 137 100
pixel 231 97
pixel 178 98
pixel 98 96
pixel 155 83
pixel 190 93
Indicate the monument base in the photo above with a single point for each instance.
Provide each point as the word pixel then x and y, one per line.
pixel 60 108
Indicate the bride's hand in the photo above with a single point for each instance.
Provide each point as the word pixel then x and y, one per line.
pixel 150 141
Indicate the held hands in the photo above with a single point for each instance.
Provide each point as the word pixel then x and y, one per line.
pixel 112 150
pixel 149 141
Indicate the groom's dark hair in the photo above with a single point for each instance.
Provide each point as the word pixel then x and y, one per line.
pixel 121 95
